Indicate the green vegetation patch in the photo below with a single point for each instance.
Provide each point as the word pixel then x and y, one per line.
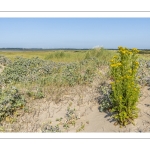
pixel 125 88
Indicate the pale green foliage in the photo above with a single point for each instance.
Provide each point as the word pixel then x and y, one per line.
pixel 10 100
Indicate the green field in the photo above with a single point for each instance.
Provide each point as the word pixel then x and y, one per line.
pixel 57 55
pixel 63 55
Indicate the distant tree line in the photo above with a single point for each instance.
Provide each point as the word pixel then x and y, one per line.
pixel 47 49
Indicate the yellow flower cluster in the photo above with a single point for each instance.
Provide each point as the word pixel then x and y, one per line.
pixel 135 50
pixel 123 50
pixel 127 51
pixel 126 77
pixel 116 65
pixel 136 63
pixel 130 71
pixel 114 59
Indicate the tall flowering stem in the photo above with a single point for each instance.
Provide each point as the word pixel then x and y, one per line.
pixel 125 88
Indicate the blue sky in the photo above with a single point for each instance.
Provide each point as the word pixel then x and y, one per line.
pixel 74 32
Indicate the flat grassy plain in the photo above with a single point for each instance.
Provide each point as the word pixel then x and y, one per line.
pixel 61 55
pixel 56 55
pixel 57 91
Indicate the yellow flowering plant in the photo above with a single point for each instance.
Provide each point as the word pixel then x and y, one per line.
pixel 125 89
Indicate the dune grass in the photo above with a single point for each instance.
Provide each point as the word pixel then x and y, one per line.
pixel 61 55
pixel 30 74
pixel 26 54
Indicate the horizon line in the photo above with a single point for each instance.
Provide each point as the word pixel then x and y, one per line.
pixel 62 48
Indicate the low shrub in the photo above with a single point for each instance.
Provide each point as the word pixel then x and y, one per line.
pixel 10 100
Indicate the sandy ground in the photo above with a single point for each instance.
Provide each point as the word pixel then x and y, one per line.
pixel 43 113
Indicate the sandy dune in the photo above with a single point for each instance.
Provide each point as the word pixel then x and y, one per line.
pixel 43 113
